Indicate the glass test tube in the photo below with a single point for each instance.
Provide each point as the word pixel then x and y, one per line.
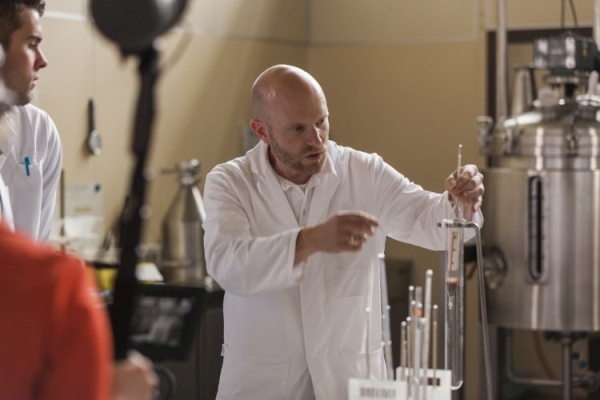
pixel 415 381
pixel 434 328
pixel 385 318
pixel 368 308
pixel 409 340
pixel 411 312
pixel 403 350
pixel 454 327
pixel 426 330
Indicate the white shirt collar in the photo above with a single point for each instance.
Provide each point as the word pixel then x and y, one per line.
pixel 313 181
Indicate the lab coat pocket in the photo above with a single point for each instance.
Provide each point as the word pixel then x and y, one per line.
pixel 253 377
pixel 354 365
pixel 25 185
pixel 346 282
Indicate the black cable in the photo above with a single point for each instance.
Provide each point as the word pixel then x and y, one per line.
pixel 574 13
pixel 562 14
pixel 176 55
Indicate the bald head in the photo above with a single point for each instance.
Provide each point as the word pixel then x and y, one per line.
pixel 282 82
pixel 291 117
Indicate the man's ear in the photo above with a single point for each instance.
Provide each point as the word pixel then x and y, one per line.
pixel 259 127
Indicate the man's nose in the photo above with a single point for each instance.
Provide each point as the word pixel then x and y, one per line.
pixel 41 61
pixel 314 136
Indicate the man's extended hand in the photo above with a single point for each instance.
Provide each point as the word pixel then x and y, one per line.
pixel 345 231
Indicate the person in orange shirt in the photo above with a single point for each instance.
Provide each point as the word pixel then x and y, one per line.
pixel 54 335
pixel 55 342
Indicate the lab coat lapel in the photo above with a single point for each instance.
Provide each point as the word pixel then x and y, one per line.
pixel 324 190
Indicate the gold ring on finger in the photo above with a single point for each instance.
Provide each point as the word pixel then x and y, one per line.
pixel 352 241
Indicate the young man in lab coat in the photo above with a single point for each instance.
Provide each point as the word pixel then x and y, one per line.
pixel 30 147
pixel 55 341
pixel 292 230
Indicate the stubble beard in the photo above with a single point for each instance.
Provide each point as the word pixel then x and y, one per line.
pixel 295 162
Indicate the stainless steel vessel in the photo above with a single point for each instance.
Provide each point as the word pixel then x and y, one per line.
pixel 183 258
pixel 542 210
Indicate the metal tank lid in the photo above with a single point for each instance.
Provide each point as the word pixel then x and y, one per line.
pixel 563 135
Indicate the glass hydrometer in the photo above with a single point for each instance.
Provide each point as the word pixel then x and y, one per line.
pixel 454 326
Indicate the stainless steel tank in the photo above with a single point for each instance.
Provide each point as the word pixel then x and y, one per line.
pixel 183 258
pixel 541 234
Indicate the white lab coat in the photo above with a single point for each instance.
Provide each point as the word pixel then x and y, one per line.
pixel 31 133
pixel 299 333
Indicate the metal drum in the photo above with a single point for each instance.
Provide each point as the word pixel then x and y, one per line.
pixel 182 233
pixel 541 235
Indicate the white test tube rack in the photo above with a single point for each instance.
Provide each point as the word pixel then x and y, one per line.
pixel 414 380
pixel 411 385
pixel 438 388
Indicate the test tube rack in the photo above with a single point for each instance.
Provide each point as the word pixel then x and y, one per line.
pixel 436 388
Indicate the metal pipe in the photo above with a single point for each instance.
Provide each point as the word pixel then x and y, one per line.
pixel 484 319
pixel 501 70
pixel 567 386
pixel 568 382
pixel 519 380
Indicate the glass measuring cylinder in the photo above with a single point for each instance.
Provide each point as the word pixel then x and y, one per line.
pixel 454 339
pixel 385 318
pixel 454 296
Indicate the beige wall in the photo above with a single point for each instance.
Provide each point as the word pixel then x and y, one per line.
pixel 202 99
pixel 403 79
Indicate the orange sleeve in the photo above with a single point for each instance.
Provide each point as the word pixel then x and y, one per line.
pixel 79 363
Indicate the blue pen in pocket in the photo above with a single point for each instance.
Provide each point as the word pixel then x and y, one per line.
pixel 27 162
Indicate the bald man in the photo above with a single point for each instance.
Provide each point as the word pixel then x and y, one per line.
pixel 292 231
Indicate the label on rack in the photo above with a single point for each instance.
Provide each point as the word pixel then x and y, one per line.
pixel 366 389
